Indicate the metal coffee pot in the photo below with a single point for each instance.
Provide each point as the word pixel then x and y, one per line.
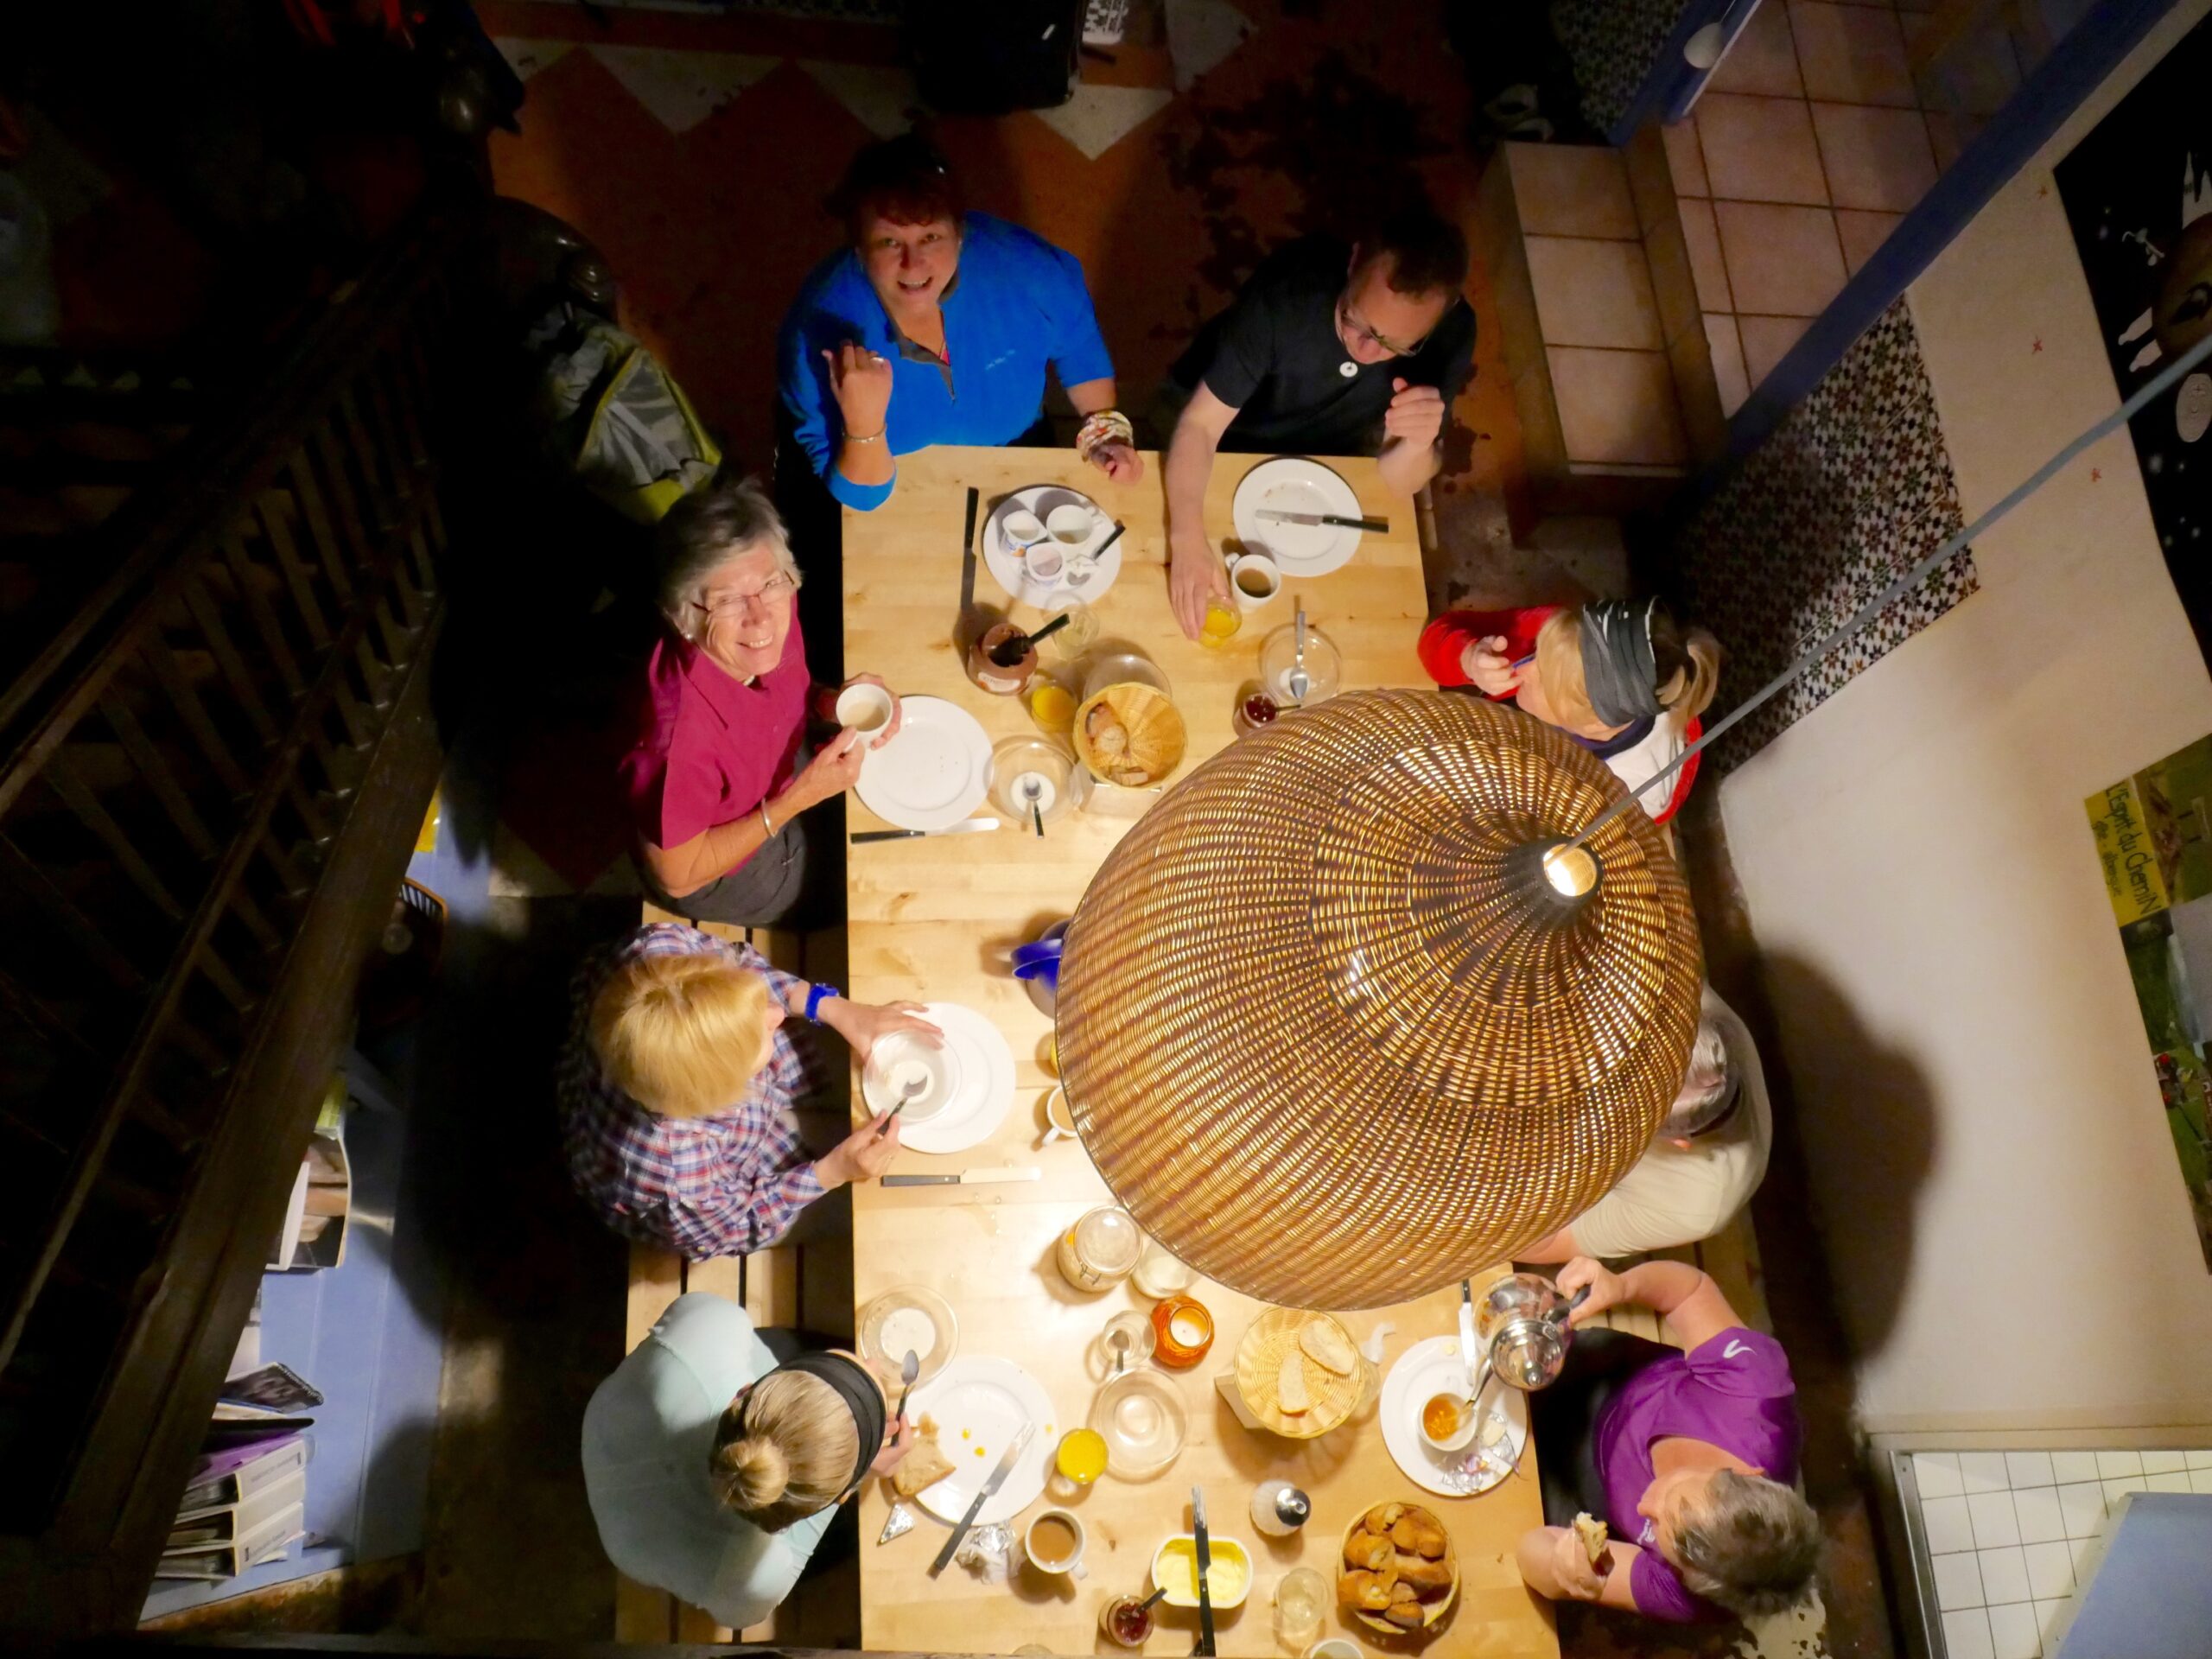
pixel 1521 1319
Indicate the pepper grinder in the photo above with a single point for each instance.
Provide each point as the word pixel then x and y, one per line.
pixel 1279 1508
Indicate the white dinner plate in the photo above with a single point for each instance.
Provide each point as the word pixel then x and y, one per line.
pixel 1293 484
pixel 1427 1368
pixel 935 772
pixel 984 1092
pixel 1010 571
pixel 978 1402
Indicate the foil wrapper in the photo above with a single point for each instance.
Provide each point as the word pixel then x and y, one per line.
pixel 987 1553
pixel 900 1519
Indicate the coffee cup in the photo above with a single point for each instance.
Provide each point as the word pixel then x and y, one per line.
pixel 1334 1647
pixel 1054 1544
pixel 1254 579
pixel 864 709
pixel 1044 562
pixel 1071 524
pixel 1059 1117
pixel 1021 528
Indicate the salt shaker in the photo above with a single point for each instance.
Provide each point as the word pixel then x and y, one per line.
pixel 1279 1508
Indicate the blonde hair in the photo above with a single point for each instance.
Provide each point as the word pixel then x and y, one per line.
pixel 1687 661
pixel 785 1451
pixel 681 1035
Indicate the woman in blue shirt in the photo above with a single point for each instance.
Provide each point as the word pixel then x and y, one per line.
pixel 713 1470
pixel 936 326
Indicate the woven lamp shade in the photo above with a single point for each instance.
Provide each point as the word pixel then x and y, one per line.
pixel 1329 1036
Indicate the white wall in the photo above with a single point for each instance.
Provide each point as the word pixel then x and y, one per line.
pixel 1980 1117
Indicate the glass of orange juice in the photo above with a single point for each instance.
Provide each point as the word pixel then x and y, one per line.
pixel 1050 704
pixel 1223 619
pixel 1081 1457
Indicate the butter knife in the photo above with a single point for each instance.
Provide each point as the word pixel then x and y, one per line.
pixel 968 1176
pixel 965 827
pixel 1203 1551
pixel 1007 1458
pixel 1467 1334
pixel 1381 526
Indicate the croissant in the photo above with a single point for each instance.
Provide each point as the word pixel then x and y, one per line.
pixel 1382 1517
pixel 1423 1575
pixel 1416 1533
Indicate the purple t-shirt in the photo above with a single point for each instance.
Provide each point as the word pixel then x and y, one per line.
pixel 1732 1391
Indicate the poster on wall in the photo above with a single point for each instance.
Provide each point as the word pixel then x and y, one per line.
pixel 2154 839
pixel 2138 192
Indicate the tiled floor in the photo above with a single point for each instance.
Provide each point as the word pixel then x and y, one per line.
pixel 2012 1536
pixel 1809 145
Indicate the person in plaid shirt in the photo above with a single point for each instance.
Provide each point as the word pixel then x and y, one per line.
pixel 678 1086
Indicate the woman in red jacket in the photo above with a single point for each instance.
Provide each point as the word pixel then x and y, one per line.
pixel 1619 677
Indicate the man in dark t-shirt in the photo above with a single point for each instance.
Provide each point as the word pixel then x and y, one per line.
pixel 1332 348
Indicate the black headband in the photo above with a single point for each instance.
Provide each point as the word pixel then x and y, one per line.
pixel 859 1392
pixel 1619 672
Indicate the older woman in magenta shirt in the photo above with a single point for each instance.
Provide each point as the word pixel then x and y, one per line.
pixel 718 774
pixel 1686 1454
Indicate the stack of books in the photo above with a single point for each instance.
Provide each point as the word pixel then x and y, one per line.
pixel 245 1503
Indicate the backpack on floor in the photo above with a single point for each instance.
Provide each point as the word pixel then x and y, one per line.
pixel 989 57
pixel 617 420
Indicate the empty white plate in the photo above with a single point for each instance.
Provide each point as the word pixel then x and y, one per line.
pixel 935 772
pixel 983 1063
pixel 979 1402
pixel 1293 484
pixel 1429 1368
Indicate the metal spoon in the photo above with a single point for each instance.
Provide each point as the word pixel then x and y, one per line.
pixel 1151 1599
pixel 1298 682
pixel 909 1369
pixel 910 1091
pixel 1033 789
pixel 1121 1351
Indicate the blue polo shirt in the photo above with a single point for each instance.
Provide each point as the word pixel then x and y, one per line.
pixel 1017 304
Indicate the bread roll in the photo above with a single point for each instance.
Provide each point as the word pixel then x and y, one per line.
pixel 1364 1549
pixel 924 1464
pixel 1417 1532
pixel 1382 1517
pixel 1591 1531
pixel 1364 1591
pixel 1421 1572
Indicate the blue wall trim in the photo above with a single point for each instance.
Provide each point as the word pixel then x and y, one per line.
pixel 2077 66
pixel 1671 79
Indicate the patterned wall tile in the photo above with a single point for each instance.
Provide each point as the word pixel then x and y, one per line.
pixel 1851 490
pixel 1613 45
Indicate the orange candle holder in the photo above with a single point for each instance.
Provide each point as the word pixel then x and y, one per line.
pixel 1182 1332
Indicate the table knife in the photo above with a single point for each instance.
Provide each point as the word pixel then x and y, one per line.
pixel 1381 526
pixel 1205 1553
pixel 1467 1332
pixel 967 1178
pixel 965 827
pixel 1007 1458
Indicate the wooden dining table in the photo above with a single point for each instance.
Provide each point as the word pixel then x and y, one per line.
pixel 935 918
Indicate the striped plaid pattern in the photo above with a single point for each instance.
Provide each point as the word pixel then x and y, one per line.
pixel 701 1187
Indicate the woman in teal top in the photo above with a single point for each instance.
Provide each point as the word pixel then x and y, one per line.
pixel 713 1470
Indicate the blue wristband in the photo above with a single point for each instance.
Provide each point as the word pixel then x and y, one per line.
pixel 816 996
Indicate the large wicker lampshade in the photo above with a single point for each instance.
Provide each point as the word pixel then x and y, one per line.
pixel 1332 1035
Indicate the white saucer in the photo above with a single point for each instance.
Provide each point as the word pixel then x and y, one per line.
pixel 935 772
pixel 979 1402
pixel 1012 573
pixel 1293 484
pixel 1429 1368
pixel 985 1070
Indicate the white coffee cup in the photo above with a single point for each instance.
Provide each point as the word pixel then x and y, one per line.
pixel 1334 1647
pixel 1071 524
pixel 1044 562
pixel 1254 579
pixel 864 709
pixel 1021 528
pixel 1059 1117
pixel 1071 1565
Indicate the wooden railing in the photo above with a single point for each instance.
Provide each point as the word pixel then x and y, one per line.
pixel 210 776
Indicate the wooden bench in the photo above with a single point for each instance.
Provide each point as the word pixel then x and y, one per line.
pixel 1731 1256
pixel 786 1285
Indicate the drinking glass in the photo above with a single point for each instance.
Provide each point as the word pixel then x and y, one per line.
pixel 1223 619
pixel 1300 1600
